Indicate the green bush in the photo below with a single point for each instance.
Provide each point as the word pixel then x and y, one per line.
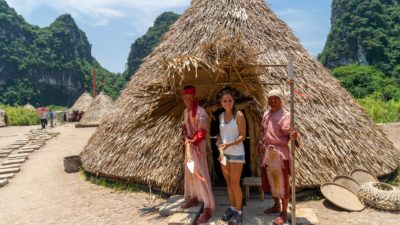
pixel 19 116
pixel 381 111
pixel 362 81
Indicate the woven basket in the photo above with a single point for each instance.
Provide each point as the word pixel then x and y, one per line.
pixel 362 176
pixel 380 196
pixel 341 197
pixel 348 183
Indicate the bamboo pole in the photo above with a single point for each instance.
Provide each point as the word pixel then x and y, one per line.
pixel 292 141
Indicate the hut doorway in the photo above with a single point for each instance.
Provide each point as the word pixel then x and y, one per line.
pixel 218 178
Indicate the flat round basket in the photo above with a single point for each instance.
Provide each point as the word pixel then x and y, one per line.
pixel 341 197
pixel 362 176
pixel 380 196
pixel 348 183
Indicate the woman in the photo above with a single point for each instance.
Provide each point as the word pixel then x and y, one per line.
pixel 230 144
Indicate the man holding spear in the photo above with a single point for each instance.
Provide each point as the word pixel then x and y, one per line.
pixel 197 183
pixel 276 132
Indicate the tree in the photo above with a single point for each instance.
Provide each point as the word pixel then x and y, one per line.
pixel 19 92
pixel 362 81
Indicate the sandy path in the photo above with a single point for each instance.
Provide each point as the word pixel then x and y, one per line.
pixel 42 193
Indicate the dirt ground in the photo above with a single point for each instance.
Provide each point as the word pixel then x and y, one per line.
pixel 42 193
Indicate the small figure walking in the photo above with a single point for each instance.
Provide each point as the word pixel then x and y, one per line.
pixel 43 118
pixel 51 114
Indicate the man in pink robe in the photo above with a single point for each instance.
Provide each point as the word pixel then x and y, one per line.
pixel 197 183
pixel 275 136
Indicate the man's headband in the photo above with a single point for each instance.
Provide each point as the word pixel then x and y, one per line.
pixel 189 91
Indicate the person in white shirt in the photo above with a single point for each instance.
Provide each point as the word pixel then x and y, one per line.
pixel 43 118
pixel 230 144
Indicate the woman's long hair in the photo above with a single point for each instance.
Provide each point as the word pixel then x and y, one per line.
pixel 229 91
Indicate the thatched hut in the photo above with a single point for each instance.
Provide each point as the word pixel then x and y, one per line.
pixel 81 106
pixel 3 118
pixel 101 106
pixel 219 43
pixel 29 106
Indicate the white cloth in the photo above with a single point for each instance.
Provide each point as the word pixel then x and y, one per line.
pixel 230 133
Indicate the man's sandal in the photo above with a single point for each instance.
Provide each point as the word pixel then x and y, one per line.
pixel 273 209
pixel 281 219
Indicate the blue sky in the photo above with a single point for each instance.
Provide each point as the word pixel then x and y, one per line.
pixel 113 25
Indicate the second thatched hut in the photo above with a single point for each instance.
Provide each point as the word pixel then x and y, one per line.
pixel 29 106
pixel 100 107
pixel 81 106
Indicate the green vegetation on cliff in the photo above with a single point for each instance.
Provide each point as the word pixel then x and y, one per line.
pixel 363 51
pixel 145 44
pixel 55 60
pixel 365 32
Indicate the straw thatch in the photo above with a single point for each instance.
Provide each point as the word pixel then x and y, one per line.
pixel 218 43
pixel 101 106
pixel 83 103
pixel 29 106
pixel 3 118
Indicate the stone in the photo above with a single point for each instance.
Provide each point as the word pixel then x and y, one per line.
pixel 175 198
pixel 6 176
pixel 13 161
pixel 306 216
pixel 30 147
pixel 6 151
pixel 10 147
pixel 169 208
pixel 24 156
pixel 10 170
pixel 182 219
pixel 10 166
pixel 16 144
pixel 3 155
pixel 25 151
pixel 3 182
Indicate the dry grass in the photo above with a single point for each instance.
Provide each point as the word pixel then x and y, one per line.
pixel 223 43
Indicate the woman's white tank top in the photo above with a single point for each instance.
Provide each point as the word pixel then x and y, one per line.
pixel 229 133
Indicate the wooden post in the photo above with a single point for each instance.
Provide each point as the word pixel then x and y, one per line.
pixel 94 82
pixel 292 142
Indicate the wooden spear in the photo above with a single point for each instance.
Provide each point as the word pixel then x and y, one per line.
pixel 292 141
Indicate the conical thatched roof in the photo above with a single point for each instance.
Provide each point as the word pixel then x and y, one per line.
pixel 3 118
pixel 29 106
pixel 83 103
pixel 216 43
pixel 101 106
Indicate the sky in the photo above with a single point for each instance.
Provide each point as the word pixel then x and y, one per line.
pixel 113 25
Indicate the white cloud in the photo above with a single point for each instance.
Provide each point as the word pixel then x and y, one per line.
pixel 101 11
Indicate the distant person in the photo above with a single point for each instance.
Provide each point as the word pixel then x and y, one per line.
pixel 51 114
pixel 62 117
pixel 55 115
pixel 43 118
